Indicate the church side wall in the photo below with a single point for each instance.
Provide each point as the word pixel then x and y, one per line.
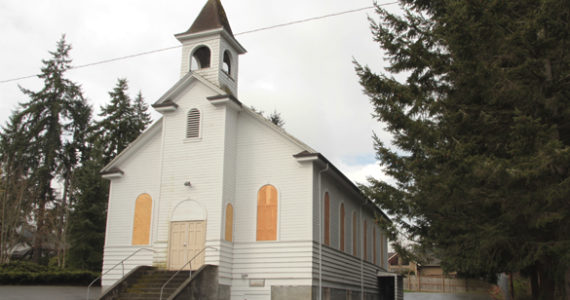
pixel 141 175
pixel 341 269
pixel 264 156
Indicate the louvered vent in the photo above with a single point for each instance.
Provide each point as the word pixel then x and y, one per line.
pixel 193 125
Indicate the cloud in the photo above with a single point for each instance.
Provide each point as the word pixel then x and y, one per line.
pixel 303 71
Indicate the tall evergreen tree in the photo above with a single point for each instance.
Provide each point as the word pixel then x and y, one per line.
pixel 141 112
pixel 14 162
pixel 481 133
pixel 54 120
pixel 87 222
pixel 123 121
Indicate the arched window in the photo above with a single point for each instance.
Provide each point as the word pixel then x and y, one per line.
pixel 365 256
pixel 354 233
pixel 327 219
pixel 342 227
pixel 141 222
pixel 229 222
pixel 200 59
pixel 227 63
pixel 193 124
pixel 374 248
pixel 267 213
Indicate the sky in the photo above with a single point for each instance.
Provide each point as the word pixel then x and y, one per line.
pixel 304 71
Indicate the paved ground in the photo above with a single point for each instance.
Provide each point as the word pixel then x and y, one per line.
pixel 34 292
pixel 441 296
pixel 19 292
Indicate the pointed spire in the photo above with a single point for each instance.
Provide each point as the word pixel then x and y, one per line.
pixel 211 17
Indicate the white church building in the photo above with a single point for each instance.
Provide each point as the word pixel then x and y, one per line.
pixel 214 179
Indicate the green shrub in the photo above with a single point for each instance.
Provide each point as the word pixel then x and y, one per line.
pixel 30 273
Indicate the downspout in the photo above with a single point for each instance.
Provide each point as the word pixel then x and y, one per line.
pixel 360 232
pixel 321 234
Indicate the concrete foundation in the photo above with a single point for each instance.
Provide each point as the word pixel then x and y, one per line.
pixel 311 293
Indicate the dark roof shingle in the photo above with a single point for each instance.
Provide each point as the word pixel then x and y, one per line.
pixel 211 17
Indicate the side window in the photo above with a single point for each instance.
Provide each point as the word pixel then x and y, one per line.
pixel 229 222
pixel 341 227
pixel 141 222
pixel 364 245
pixel 200 59
pixel 193 123
pixel 327 219
pixel 354 233
pixel 267 213
pixel 374 248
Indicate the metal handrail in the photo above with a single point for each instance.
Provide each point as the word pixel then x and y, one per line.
pixel 182 269
pixel 119 263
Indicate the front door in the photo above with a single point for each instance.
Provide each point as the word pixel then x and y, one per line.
pixel 187 239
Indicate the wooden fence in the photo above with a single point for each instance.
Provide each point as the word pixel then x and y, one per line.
pixel 444 284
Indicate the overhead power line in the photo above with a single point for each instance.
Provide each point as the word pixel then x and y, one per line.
pixel 179 46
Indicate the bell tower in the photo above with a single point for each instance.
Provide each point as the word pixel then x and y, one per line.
pixel 210 49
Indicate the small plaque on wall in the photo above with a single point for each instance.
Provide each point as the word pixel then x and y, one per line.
pixel 257 282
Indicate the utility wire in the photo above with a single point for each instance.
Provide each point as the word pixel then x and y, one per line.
pixel 179 46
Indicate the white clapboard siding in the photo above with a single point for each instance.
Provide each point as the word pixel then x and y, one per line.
pixel 344 271
pixel 114 255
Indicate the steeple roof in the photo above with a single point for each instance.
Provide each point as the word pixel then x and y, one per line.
pixel 211 17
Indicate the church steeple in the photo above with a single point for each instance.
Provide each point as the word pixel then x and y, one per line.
pixel 210 48
pixel 211 17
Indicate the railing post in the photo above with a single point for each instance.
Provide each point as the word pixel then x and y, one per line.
pixel 113 267
pixel 190 272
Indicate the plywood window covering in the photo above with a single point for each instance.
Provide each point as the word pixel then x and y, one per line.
pixel 374 248
pixel 229 222
pixel 267 213
pixel 342 227
pixel 327 219
pixel 364 241
pixel 354 233
pixel 193 124
pixel 141 223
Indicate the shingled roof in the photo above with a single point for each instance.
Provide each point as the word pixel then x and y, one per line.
pixel 211 17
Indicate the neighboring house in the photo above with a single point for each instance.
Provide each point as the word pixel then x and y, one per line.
pixel 214 179
pixel 398 265
pixel 401 266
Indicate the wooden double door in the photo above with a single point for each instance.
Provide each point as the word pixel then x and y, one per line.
pixel 187 239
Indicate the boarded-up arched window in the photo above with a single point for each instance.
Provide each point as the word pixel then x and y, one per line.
pixel 374 248
pixel 229 222
pixel 267 213
pixel 141 223
pixel 193 124
pixel 327 219
pixel 364 241
pixel 354 233
pixel 342 227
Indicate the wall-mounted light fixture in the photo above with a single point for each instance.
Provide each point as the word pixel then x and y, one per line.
pixel 188 184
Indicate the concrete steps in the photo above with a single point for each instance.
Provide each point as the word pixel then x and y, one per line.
pixel 148 285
